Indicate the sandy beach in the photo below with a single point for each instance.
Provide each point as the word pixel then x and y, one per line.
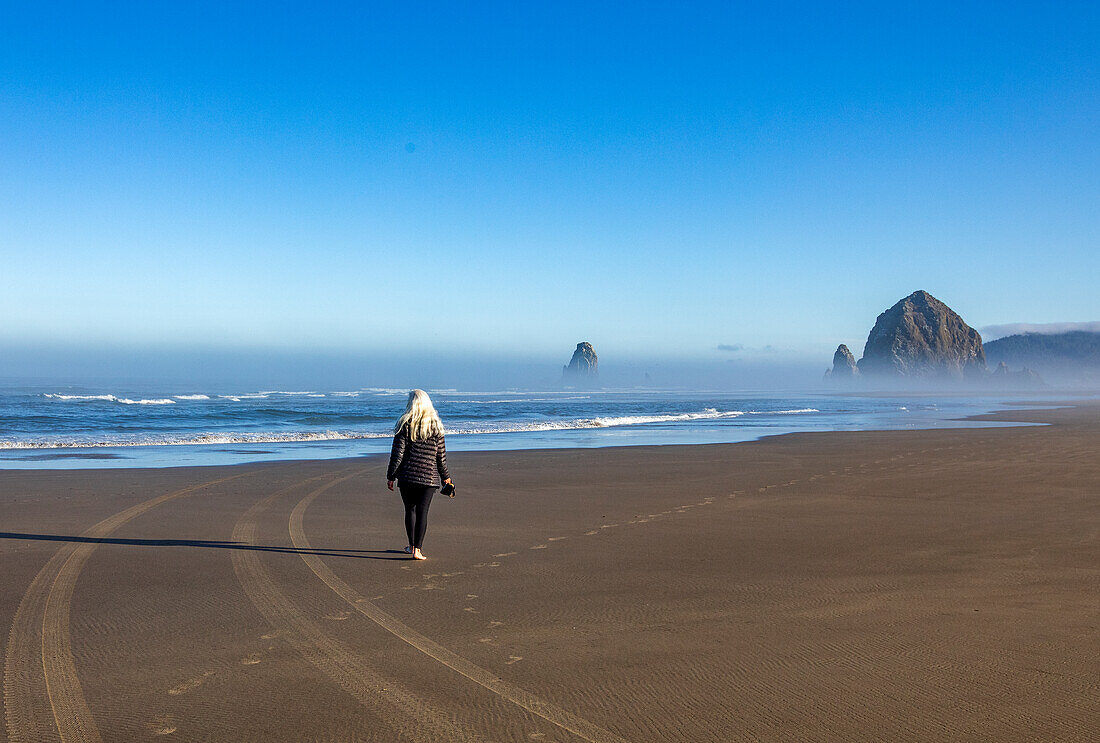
pixel 897 586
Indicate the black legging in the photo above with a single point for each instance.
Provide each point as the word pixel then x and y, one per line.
pixel 417 498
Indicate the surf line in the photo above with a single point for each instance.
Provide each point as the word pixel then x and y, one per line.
pixel 409 716
pixel 51 594
pixel 549 712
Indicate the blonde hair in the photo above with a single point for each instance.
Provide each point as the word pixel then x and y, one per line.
pixel 420 417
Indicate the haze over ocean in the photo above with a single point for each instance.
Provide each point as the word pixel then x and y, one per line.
pixel 388 195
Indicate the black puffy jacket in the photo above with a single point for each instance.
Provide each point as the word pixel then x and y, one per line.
pixel 423 462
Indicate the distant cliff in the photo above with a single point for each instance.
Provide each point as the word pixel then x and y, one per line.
pixel 1078 347
pixel 1068 358
pixel 583 368
pixel 922 337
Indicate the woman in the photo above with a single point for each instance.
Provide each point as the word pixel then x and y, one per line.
pixel 418 461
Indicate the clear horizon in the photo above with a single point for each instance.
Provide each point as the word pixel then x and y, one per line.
pixel 706 186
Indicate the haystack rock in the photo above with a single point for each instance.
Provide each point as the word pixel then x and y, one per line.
pixel 920 336
pixel 583 366
pixel 844 364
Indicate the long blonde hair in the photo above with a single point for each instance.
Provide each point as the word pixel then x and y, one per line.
pixel 420 417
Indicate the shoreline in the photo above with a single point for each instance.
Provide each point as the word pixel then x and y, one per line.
pixel 909 585
pixel 68 458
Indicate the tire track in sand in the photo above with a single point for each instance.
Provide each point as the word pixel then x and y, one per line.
pixel 40 640
pixel 408 716
pixel 549 712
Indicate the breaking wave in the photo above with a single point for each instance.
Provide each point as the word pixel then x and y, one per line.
pixel 195 440
pixel 289 437
pixel 112 398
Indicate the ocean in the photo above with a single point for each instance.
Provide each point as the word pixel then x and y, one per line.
pixel 148 426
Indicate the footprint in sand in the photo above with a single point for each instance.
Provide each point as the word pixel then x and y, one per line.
pixel 161 727
pixel 271 635
pixel 556 539
pixel 190 684
pixel 513 659
pixel 471 595
pixel 590 533
pixel 506 554
pixel 539 547
pixel 487 641
pixel 495 623
pixel 251 660
pixel 470 609
pixel 338 616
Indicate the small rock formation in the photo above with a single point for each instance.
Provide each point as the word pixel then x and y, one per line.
pixel 844 364
pixel 922 337
pixel 1025 379
pixel 583 367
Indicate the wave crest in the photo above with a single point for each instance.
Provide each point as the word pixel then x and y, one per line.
pixel 112 398
pixel 290 437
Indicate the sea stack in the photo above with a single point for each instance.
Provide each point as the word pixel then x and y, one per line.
pixel 844 364
pixel 1025 379
pixel 922 337
pixel 583 367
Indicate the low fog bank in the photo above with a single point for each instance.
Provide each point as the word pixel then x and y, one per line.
pixel 993 332
pixel 197 369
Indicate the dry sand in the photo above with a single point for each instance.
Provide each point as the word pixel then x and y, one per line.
pixel 899 586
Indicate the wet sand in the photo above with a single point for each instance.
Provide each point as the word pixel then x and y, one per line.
pixel 894 586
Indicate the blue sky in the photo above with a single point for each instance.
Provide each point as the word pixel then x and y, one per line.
pixel 508 179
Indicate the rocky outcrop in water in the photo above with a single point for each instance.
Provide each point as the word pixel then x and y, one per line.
pixel 844 364
pixel 921 337
pixel 1025 379
pixel 583 367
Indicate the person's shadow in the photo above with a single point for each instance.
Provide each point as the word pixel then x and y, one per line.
pixel 214 544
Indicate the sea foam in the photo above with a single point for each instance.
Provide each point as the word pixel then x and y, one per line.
pixel 112 398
